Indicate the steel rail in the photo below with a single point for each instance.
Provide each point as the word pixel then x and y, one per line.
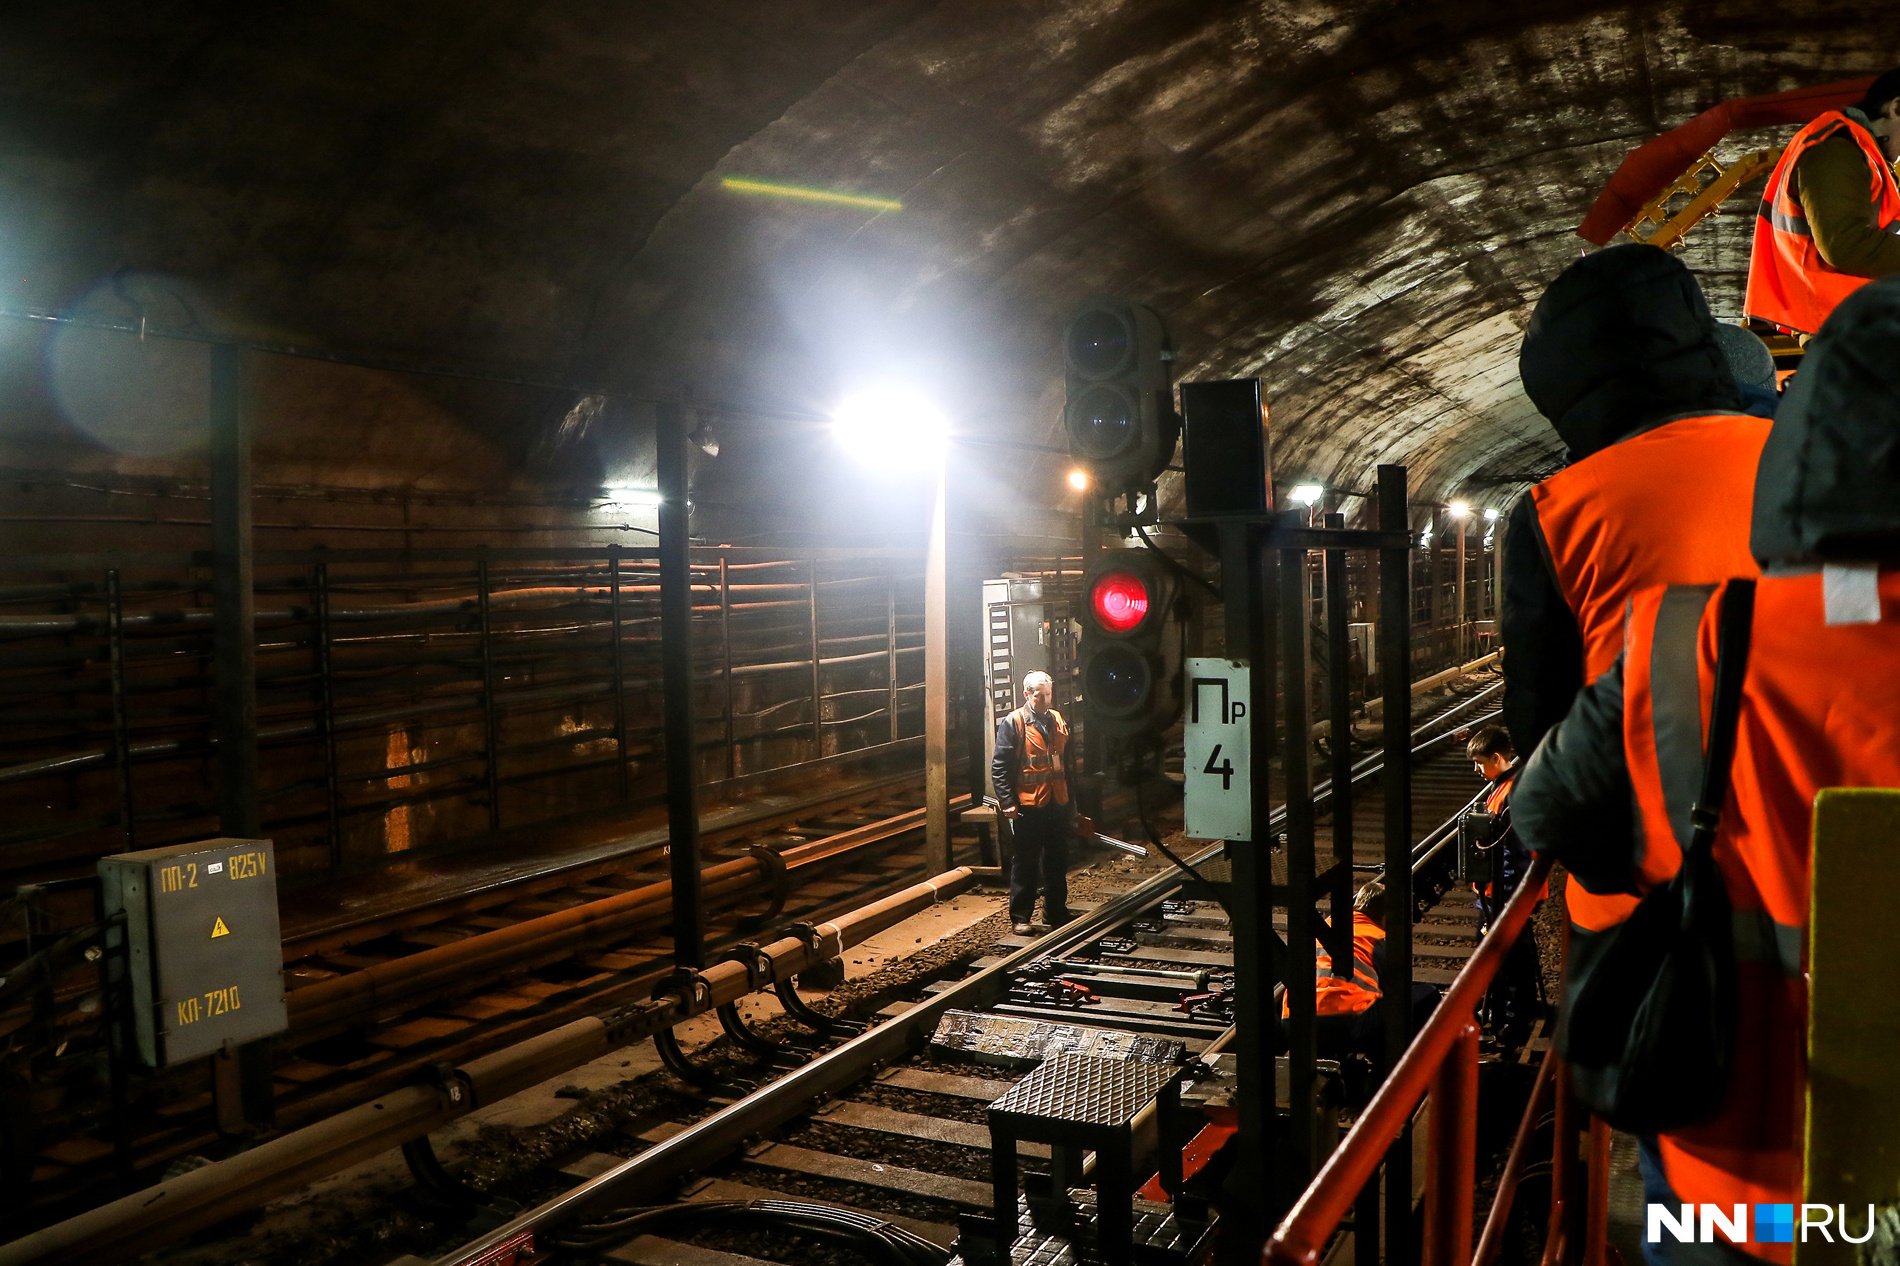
pixel 400 981
pixel 643 1179
pixel 134 1224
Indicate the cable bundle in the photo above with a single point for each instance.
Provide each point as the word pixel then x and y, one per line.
pixel 864 1233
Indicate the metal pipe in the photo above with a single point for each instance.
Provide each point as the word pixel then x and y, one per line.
pixel 1491 1243
pixel 1596 1226
pixel 1452 1153
pixel 676 662
pixel 206 1196
pixel 345 998
pixel 1395 671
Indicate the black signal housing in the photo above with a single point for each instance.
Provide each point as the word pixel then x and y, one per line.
pixel 1119 409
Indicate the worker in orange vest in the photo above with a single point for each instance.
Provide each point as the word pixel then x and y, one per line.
pixel 1349 1009
pixel 1611 789
pixel 1031 775
pixel 1830 217
pixel 1514 1001
pixel 1622 356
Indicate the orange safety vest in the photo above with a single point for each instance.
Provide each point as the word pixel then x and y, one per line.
pixel 1494 802
pixel 1789 284
pixel 1041 780
pixel 1345 995
pixel 1668 506
pixel 1818 709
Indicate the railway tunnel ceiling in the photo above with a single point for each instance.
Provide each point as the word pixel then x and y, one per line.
pixel 1359 202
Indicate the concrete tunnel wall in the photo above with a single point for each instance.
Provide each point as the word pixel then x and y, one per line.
pixel 1359 202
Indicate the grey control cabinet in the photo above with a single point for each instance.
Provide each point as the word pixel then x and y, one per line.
pixel 203 950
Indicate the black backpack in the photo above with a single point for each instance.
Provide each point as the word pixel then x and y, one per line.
pixel 1649 1018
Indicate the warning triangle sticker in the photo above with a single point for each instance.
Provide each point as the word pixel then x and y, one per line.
pixel 218 929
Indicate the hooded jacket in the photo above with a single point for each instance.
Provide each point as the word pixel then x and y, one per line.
pixel 1829 486
pixel 1620 345
pixel 1607 790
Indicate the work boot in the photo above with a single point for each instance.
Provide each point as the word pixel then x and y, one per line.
pixel 1023 929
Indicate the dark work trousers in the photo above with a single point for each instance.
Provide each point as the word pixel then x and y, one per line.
pixel 1361 1033
pixel 1040 861
pixel 1512 1001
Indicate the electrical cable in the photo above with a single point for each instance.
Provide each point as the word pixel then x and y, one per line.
pixel 1154 838
pixel 1176 564
pixel 869 1236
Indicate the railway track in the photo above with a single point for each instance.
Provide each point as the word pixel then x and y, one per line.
pixel 383 991
pixel 886 1131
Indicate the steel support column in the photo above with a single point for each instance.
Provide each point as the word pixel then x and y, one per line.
pixel 1459 605
pixel 1252 1196
pixel 817 680
pixel 121 741
pixel 937 683
pixel 1301 965
pixel 619 665
pixel 725 669
pixel 676 654
pixel 326 700
pixel 890 651
pixel 241 1080
pixel 1395 672
pixel 1339 728
pixel 491 721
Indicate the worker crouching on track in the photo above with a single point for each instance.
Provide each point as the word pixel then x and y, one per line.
pixel 1829 215
pixel 1611 789
pixel 1031 773
pixel 1349 1011
pixel 1621 355
pixel 1514 1001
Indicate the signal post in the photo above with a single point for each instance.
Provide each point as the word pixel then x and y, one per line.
pixel 1122 426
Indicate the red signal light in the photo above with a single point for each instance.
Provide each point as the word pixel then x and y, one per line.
pixel 1120 601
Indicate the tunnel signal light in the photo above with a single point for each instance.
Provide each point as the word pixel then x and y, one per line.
pixel 1119 600
pixel 1130 654
pixel 1119 410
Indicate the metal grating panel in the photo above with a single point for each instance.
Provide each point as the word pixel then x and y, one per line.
pixel 1086 1091
pixel 1006 1039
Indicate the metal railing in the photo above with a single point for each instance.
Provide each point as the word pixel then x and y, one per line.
pixel 1442 1061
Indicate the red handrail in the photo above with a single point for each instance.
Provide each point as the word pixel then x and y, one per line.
pixel 1302 1236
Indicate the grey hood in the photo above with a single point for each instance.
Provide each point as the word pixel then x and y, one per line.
pixel 1828 489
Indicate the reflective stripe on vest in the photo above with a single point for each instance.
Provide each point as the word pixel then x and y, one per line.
pixel 1041 780
pixel 1624 519
pixel 1342 995
pixel 1789 284
pixel 1817 709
